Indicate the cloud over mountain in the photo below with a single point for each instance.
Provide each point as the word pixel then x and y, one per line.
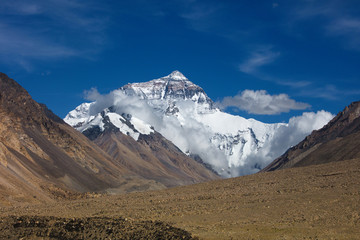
pixel 287 135
pixel 182 112
pixel 260 102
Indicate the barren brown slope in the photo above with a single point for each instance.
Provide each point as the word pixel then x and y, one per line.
pixel 314 202
pixel 42 157
pixel 337 141
pixel 154 157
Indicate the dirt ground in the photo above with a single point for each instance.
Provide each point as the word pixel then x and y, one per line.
pixel 316 202
pixel 35 227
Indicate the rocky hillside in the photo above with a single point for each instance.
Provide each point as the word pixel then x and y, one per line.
pixel 337 141
pixel 42 158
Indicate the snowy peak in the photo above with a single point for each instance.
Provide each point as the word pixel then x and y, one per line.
pixel 176 76
pixel 79 115
pixel 172 87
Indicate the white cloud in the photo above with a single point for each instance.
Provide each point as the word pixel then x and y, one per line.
pixel 286 136
pixel 92 94
pixel 260 57
pixel 260 102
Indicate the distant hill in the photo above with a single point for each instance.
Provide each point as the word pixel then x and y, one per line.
pixel 337 141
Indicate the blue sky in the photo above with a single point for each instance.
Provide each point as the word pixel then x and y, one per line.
pixel 268 60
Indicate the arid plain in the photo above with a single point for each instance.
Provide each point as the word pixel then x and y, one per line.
pixel 316 202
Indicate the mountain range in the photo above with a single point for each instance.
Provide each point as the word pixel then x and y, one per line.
pixel 183 113
pixel 43 158
pixel 158 134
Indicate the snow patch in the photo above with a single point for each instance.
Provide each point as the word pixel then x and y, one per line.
pixel 141 126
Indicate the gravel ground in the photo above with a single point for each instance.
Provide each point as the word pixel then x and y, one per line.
pixel 316 202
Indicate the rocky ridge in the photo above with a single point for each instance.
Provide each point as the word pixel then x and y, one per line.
pixel 337 141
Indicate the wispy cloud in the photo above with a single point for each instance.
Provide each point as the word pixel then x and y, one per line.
pixel 348 28
pixel 328 92
pixel 283 82
pixel 275 5
pixel 260 102
pixel 262 56
pixel 337 20
pixel 258 58
pixel 345 25
pixel 198 12
pixel 23 44
pixel 50 30
pixel 306 11
pixel 202 17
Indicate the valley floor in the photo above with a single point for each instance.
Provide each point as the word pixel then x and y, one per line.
pixel 316 202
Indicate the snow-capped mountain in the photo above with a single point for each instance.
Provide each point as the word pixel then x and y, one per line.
pixel 163 92
pixel 172 87
pixel 183 113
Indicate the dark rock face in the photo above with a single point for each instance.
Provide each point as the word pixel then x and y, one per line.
pixel 338 140
pixel 92 133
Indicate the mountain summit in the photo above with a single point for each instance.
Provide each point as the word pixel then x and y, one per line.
pixel 172 87
pixel 177 76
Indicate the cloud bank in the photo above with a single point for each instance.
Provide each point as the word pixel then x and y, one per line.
pixel 260 102
pixel 50 30
pixel 190 135
pixel 285 137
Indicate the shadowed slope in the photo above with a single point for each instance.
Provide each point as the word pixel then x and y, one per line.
pixel 154 157
pixel 337 141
